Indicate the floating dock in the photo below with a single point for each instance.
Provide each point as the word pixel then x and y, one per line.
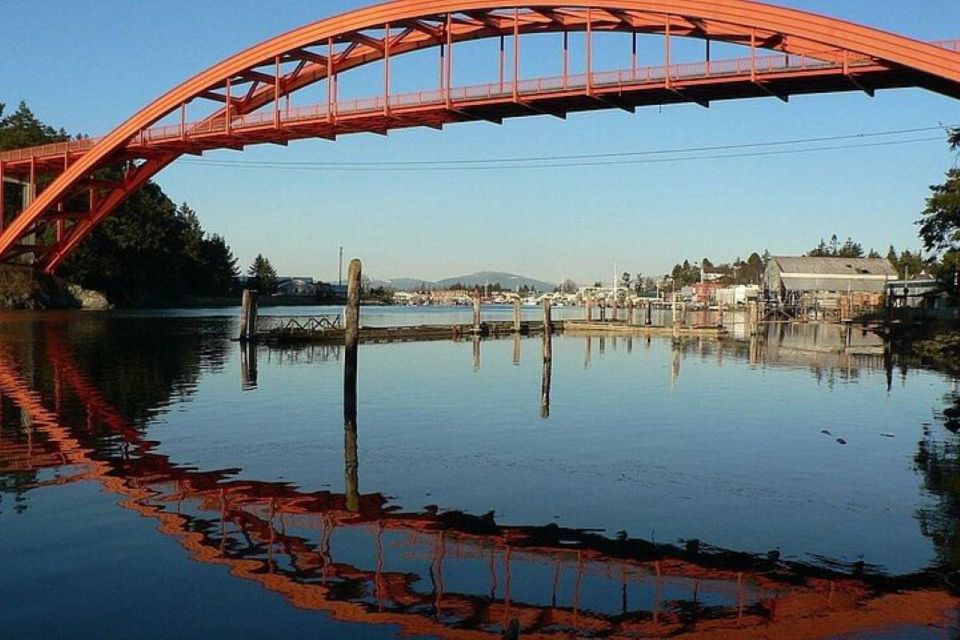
pixel 627 329
pixel 420 333
pixel 336 335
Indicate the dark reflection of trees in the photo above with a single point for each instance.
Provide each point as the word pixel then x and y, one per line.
pixel 143 365
pixel 938 461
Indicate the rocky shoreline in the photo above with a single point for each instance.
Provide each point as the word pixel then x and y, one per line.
pixel 936 345
pixel 22 288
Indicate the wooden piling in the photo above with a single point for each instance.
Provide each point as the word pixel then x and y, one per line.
pixel 589 309
pixel 632 313
pixel 477 327
pixel 352 341
pixel 649 314
pixel 547 330
pixel 517 316
pixel 547 360
pixel 248 316
pixel 352 315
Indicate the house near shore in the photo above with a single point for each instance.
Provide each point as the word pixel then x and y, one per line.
pixel 823 281
pixel 921 291
pixel 296 287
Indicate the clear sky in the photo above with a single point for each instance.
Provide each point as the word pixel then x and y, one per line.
pixel 86 66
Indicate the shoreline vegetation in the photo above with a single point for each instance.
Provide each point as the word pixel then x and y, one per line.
pixel 24 289
pixel 935 345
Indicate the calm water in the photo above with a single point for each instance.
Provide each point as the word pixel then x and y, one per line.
pixel 155 482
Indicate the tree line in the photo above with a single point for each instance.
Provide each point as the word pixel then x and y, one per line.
pixel 149 252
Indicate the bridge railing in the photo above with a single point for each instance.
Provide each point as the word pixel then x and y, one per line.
pixel 530 87
pixel 761 64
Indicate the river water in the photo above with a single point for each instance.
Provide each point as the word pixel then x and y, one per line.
pixel 158 481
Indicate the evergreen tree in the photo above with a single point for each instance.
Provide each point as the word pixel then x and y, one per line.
pixel 263 276
pixel 23 129
pixel 148 252
pixel 940 224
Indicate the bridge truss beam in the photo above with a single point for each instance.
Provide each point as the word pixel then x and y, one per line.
pixel 257 85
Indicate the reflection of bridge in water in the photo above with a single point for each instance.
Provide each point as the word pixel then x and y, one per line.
pixel 438 573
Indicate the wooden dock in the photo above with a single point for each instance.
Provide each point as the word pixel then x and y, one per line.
pixel 337 334
pixel 626 329
pixel 331 329
pixel 313 333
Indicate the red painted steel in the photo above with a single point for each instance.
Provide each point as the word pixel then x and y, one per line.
pixel 816 54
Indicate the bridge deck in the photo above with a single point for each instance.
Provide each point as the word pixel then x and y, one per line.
pixel 701 82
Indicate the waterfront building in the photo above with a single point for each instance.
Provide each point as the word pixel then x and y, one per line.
pixel 921 291
pixel 823 281
pixel 737 295
pixel 297 287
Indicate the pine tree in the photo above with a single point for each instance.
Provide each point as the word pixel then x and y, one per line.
pixel 263 276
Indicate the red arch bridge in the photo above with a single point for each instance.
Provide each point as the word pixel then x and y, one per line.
pixel 69 188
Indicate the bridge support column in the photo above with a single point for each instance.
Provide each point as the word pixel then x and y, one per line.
pixel 3 197
pixel 30 193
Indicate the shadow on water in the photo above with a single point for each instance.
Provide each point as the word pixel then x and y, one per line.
pixel 433 572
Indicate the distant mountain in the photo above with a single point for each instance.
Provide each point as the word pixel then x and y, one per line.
pixel 505 280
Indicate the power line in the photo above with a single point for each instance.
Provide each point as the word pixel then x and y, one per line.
pixel 559 164
pixel 593 156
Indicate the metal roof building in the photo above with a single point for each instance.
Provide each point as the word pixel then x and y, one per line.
pixel 836 275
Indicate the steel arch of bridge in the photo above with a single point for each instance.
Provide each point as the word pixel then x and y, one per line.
pixel 821 54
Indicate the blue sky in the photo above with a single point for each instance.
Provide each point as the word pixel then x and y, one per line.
pixel 86 66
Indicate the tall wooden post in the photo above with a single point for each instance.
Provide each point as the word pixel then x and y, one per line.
pixel 248 316
pixel 589 309
pixel 547 330
pixel 649 313
pixel 547 360
pixel 477 328
pixel 632 314
pixel 517 316
pixel 351 344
